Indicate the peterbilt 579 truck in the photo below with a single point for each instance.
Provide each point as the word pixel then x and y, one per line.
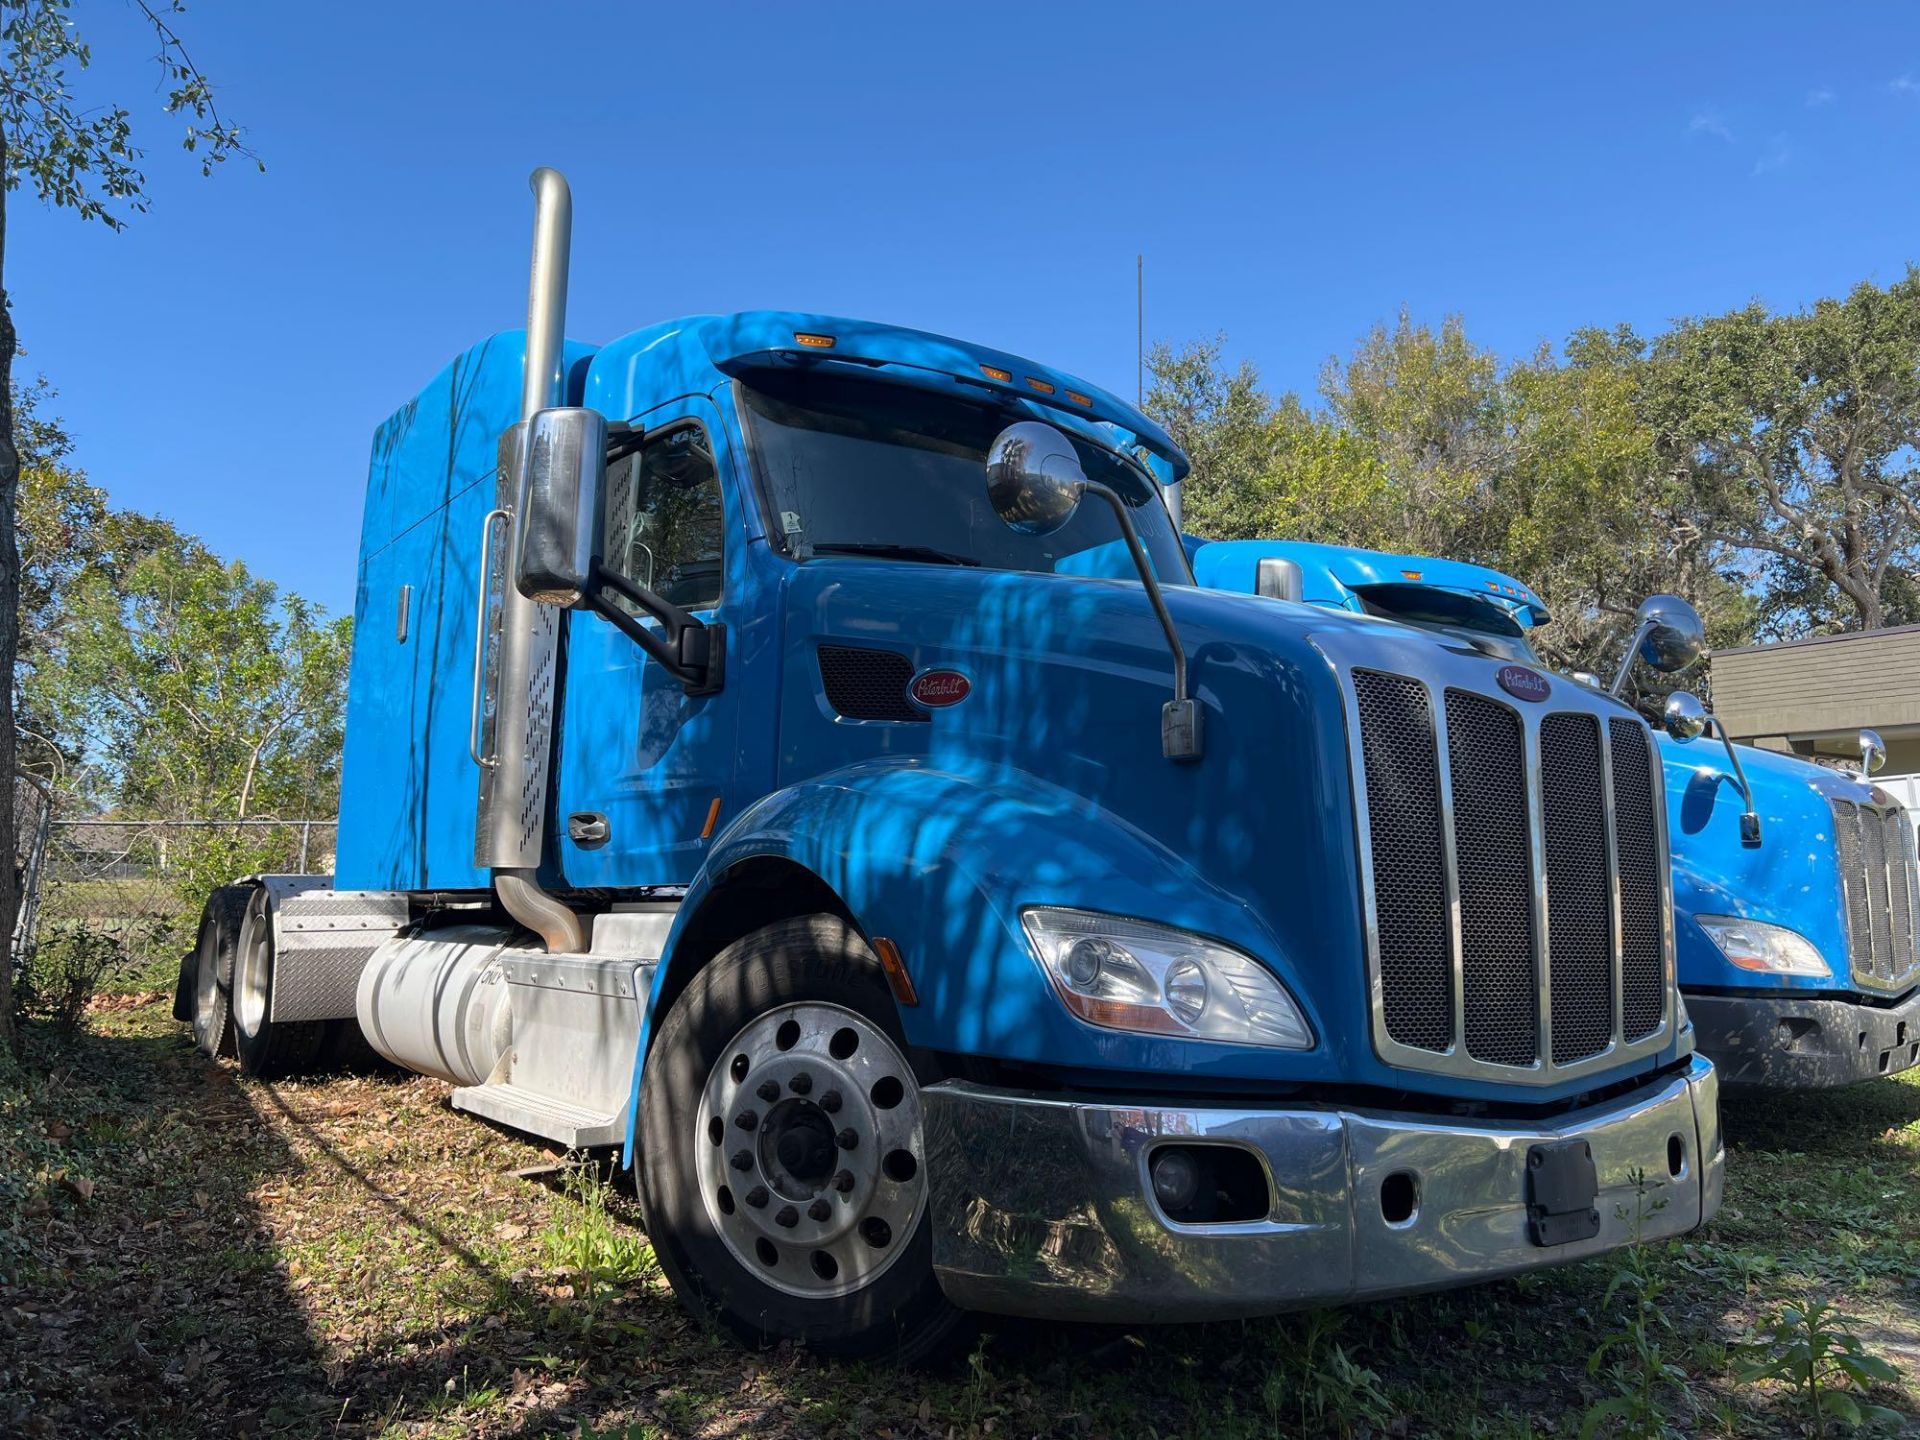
pixel 794 751
pixel 1796 885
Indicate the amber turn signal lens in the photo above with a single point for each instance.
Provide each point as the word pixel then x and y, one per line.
pixel 815 342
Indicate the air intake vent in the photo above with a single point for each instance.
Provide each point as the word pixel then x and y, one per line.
pixel 864 684
pixel 1881 876
pixel 1517 906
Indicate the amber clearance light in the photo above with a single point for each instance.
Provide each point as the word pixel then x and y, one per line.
pixel 994 372
pixel 813 342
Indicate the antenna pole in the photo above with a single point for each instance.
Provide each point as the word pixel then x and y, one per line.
pixel 1140 330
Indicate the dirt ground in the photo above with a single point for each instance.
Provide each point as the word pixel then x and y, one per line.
pixel 184 1252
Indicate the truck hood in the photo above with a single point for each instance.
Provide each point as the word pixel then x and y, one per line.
pixel 1791 878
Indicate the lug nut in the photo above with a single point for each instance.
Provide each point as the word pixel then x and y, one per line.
pixel 757 1196
pixel 820 1210
pixel 769 1091
pixel 801 1083
pixel 843 1182
pixel 846 1139
pixel 786 1217
pixel 830 1102
pixel 747 1119
pixel 742 1160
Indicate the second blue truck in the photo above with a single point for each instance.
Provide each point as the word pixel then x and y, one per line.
pixel 1796 885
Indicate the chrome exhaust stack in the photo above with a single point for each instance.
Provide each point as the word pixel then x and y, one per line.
pixel 516 756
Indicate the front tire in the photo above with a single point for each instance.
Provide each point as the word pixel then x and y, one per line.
pixel 782 1167
pixel 268 1049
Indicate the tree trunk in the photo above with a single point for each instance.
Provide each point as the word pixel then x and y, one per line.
pixel 9 636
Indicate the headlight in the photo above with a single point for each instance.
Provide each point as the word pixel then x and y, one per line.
pixel 1767 949
pixel 1132 975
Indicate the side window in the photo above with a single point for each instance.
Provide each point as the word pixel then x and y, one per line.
pixel 663 526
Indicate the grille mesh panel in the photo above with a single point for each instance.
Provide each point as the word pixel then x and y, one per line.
pixel 1409 864
pixel 1486 762
pixel 864 684
pixel 1875 850
pixel 1642 966
pixel 1579 903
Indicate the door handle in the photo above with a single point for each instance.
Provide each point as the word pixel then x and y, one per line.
pixel 588 829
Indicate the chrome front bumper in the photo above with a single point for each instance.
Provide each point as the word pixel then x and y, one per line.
pixel 1043 1206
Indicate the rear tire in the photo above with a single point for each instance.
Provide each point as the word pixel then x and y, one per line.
pixel 268 1049
pixel 780 1229
pixel 213 970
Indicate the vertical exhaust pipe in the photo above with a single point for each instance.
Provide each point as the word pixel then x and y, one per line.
pixel 513 790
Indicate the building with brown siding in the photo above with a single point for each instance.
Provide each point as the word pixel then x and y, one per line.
pixel 1813 696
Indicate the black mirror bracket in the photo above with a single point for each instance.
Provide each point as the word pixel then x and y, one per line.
pixel 1180 716
pixel 691 650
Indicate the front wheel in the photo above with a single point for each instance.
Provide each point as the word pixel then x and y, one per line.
pixel 213 970
pixel 782 1163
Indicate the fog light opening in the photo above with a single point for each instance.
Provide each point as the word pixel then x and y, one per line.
pixel 1400 1197
pixel 1676 1156
pixel 1209 1184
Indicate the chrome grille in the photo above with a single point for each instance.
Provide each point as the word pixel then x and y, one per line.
pixel 1579 901
pixel 1643 881
pixel 1403 779
pixel 1881 880
pixel 1487 765
pixel 1515 894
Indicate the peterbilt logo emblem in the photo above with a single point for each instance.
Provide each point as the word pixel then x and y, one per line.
pixel 936 689
pixel 1523 684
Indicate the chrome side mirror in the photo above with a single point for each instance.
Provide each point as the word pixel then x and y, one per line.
pixel 558 504
pixel 1873 752
pixel 1668 634
pixel 1034 479
pixel 1035 483
pixel 1683 716
pixel 1278 578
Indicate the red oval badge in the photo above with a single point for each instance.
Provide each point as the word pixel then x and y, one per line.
pixel 937 689
pixel 1524 684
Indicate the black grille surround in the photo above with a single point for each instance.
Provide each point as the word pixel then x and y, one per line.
pixel 866 684
pixel 1513 862
pixel 1880 879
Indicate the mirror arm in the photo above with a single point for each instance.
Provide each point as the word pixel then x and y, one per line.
pixel 1180 718
pixel 1749 818
pixel 1626 660
pixel 692 651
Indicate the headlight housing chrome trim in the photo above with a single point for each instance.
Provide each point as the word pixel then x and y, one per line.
pixel 1146 978
pixel 1764 949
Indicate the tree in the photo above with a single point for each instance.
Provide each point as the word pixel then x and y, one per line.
pixel 1797 435
pixel 78 157
pixel 1260 466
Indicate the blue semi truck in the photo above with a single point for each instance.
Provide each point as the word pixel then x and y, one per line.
pixel 1796 885
pixel 794 751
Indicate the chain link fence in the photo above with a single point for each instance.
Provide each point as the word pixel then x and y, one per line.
pixel 140 884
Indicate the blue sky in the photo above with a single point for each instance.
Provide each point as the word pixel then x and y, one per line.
pixel 1291 176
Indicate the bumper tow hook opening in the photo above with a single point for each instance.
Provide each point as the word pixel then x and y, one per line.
pixel 1400 1197
pixel 1676 1156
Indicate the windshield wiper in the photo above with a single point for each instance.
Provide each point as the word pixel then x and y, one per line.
pixel 893 552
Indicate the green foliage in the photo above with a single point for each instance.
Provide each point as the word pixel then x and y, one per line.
pixel 195 689
pixel 1796 434
pixel 1319 1388
pixel 1808 1347
pixel 1638 1358
pixel 64 969
pixel 79 156
pixel 598 1253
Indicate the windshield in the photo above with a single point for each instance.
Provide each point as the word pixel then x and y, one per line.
pixel 853 466
pixel 1447 612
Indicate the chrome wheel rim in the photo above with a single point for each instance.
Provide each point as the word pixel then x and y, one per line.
pixel 811 1164
pixel 250 968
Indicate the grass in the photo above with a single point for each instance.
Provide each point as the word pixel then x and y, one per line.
pixel 184 1252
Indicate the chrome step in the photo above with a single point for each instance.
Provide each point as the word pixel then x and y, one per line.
pixel 573 1126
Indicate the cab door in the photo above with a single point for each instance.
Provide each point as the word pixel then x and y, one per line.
pixel 646 771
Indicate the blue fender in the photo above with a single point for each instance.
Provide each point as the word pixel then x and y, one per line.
pixel 942 861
